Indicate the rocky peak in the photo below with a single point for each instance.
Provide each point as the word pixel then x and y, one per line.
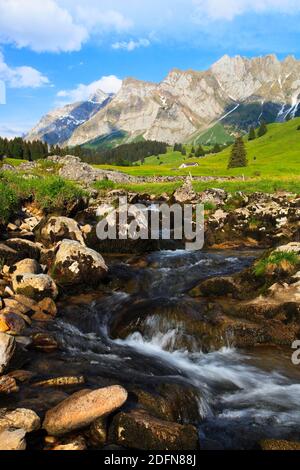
pixel 99 97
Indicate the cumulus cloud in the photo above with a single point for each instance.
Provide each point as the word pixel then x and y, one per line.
pixel 65 25
pixel 55 25
pixel 108 84
pixel 21 77
pixel 131 45
pixel 41 26
pixel 229 9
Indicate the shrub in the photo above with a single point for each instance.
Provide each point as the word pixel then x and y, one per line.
pixel 51 192
pixel 54 192
pixel 8 202
pixel 283 260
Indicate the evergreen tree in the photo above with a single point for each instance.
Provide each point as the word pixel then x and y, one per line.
pixel 252 134
pixel 200 152
pixel 263 129
pixel 183 151
pixel 238 157
pixel 216 148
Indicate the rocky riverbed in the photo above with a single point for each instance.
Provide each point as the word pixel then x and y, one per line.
pixel 126 345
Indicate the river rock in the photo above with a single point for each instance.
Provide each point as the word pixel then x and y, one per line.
pixel 20 418
pixel 26 266
pixel 70 444
pixel 82 408
pixel 293 247
pixel 56 229
pixel 35 286
pixel 44 342
pixel 216 286
pixel 12 439
pixel 24 248
pixel 7 349
pixel 279 445
pixel 45 309
pixel 12 323
pixel 76 264
pixel 8 385
pixel 98 432
pixel 139 430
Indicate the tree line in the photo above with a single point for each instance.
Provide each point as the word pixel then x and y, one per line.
pixel 125 154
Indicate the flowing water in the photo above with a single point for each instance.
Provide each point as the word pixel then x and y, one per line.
pixel 243 396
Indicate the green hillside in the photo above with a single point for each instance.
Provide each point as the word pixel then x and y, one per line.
pixel 215 135
pixel 277 154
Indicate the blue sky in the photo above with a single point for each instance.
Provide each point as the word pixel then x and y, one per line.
pixel 57 51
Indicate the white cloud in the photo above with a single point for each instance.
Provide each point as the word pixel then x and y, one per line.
pixel 65 25
pixel 21 77
pixel 14 130
pixel 131 45
pixel 55 25
pixel 109 84
pixel 40 25
pixel 229 9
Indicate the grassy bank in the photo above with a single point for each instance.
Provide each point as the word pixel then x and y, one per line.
pixel 50 193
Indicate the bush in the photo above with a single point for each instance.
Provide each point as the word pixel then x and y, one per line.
pixel 283 260
pixel 51 192
pixel 54 192
pixel 8 202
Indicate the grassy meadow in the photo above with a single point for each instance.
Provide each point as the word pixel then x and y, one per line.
pixel 273 163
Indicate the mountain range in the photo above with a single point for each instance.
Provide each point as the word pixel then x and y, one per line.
pixel 187 106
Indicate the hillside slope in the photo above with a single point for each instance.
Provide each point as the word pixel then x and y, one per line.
pixel 277 154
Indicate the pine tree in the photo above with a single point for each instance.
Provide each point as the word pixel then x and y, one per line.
pixel 238 157
pixel 183 151
pixel 216 148
pixel 263 129
pixel 252 134
pixel 200 152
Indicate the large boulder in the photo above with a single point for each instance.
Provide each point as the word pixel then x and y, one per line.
pixel 293 247
pixel 7 349
pixel 76 264
pixel 82 408
pixel 139 430
pixel 185 193
pixel 55 229
pixel 35 286
pixel 76 170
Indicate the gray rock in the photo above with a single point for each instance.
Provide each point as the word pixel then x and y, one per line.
pixel 76 264
pixel 7 349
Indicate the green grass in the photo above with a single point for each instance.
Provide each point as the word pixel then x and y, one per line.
pixel 277 156
pixel 12 161
pixel 104 185
pixel 156 189
pixel 50 192
pixel 275 260
pixel 8 202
